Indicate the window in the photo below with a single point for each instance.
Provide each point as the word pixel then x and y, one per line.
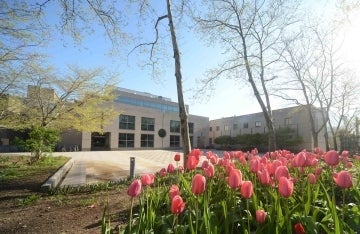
pixel 246 125
pixel 174 126
pixel 210 129
pixel 287 121
pixel 126 140
pixel 257 124
pixel 127 122
pixel 217 128
pixel 147 140
pixel 174 141
pixel 235 126
pixel 210 141
pixel 191 128
pixel 226 128
pixel 147 124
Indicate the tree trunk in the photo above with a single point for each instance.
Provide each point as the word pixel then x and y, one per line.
pixel 184 128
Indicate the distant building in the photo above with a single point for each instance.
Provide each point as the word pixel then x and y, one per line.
pixel 295 118
pixel 147 122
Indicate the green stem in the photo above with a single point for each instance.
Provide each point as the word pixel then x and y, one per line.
pixel 287 217
pixel 131 213
pixel 248 216
pixel 343 207
pixel 196 214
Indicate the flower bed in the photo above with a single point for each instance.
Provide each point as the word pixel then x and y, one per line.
pixel 280 192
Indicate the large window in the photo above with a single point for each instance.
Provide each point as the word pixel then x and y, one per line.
pixel 246 125
pixel 287 121
pixel 174 126
pixel 257 124
pixel 147 140
pixel 191 128
pixel 235 126
pixel 126 140
pixel 174 141
pixel 127 122
pixel 217 128
pixel 147 124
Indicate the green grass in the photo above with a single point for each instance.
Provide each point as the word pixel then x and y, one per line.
pixel 14 168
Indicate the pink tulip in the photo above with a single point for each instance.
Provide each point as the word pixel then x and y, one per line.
pixel 300 159
pixel 264 177
pixel 282 171
pixel 197 153
pixel 191 162
pixel 170 168
pixel 177 205
pixel 255 164
pixel 209 171
pixel 174 190
pixel 286 187
pixel 181 169
pixel 312 178
pixel 235 178
pixel 246 189
pixel 177 157
pixel 204 164
pixel 331 158
pixel 343 179
pixel 134 188
pixel 260 216
pixel 345 153
pixel 147 179
pixel 198 184
pixel 214 159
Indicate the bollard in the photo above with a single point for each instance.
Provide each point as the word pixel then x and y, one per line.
pixel 132 167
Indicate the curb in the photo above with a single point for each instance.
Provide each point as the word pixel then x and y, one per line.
pixel 57 177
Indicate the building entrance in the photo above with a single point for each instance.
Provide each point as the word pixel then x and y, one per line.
pixel 100 141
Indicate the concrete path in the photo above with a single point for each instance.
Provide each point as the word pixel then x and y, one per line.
pixel 101 166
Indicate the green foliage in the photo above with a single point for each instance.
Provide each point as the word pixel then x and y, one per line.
pixel 29 200
pixel 286 138
pixel 15 168
pixel 40 140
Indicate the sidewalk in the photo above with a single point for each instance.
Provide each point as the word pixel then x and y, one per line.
pixel 101 166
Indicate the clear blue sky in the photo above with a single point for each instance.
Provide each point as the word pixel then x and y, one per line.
pixel 228 99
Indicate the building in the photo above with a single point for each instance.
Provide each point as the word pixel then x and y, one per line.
pixel 295 118
pixel 146 121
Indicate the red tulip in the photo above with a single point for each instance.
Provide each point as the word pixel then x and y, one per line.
pixel 214 159
pixel 147 179
pixel 343 179
pixel 170 168
pixel 260 216
pixel 312 178
pixel 134 188
pixel 191 162
pixel 177 205
pixel 345 153
pixel 331 158
pixel 196 152
pixel 174 190
pixel 177 157
pixel 282 171
pixel 204 164
pixel 181 169
pixel 299 229
pixel 235 178
pixel 198 184
pixel 286 187
pixel 162 172
pixel 246 189
pixel 209 171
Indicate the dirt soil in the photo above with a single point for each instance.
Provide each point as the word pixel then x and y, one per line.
pixel 25 209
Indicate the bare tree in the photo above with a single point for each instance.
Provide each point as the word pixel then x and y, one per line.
pixel 249 32
pixel 183 115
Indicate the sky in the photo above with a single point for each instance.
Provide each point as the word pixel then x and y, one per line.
pixel 228 99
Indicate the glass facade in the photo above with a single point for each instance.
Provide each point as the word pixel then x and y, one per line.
pixel 174 141
pixel 147 124
pixel 174 126
pixel 126 140
pixel 147 140
pixel 127 122
pixel 149 104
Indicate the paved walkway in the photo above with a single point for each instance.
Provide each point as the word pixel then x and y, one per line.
pixel 101 166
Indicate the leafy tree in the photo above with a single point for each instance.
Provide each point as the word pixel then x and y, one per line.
pixel 40 140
